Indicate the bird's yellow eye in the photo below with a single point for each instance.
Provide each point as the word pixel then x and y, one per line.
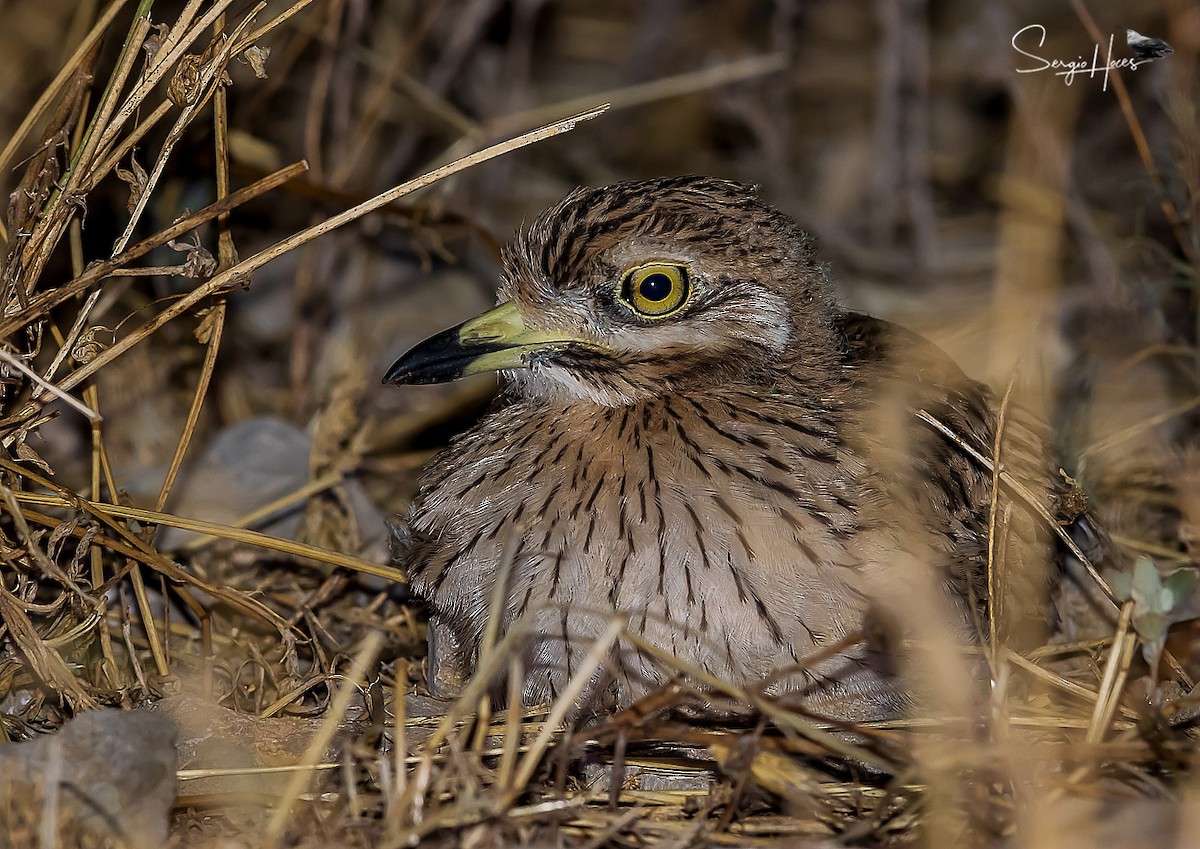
pixel 656 290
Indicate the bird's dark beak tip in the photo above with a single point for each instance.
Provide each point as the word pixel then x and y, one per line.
pixel 395 375
pixel 438 359
pixel 420 370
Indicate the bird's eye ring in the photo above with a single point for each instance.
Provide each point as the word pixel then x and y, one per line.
pixel 656 290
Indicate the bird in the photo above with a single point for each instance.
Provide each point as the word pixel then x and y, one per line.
pixel 1146 47
pixel 695 437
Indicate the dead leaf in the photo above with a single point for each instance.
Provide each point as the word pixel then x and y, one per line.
pixel 154 42
pixel 199 263
pixel 88 346
pixel 138 181
pixel 256 57
pixel 208 324
pixel 25 454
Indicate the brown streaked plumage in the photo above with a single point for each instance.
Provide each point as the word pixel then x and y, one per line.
pixel 695 434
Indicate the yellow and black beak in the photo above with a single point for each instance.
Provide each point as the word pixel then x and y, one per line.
pixel 494 341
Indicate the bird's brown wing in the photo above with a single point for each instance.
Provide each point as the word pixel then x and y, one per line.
pixel 904 379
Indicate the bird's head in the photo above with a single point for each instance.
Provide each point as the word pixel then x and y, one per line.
pixel 640 288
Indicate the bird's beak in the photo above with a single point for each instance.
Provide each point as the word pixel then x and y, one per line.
pixel 494 341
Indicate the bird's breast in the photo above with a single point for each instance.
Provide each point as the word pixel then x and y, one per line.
pixel 721 530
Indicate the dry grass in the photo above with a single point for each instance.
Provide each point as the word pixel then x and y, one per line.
pixel 126 345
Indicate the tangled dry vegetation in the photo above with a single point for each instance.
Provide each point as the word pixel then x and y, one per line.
pixel 150 185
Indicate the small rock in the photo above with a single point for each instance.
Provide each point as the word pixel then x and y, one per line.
pixel 107 772
pixel 245 467
pixel 251 464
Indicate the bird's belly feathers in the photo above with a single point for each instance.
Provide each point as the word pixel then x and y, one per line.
pixel 734 561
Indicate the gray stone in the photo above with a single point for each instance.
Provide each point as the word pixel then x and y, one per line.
pixel 107 772
pixel 245 467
